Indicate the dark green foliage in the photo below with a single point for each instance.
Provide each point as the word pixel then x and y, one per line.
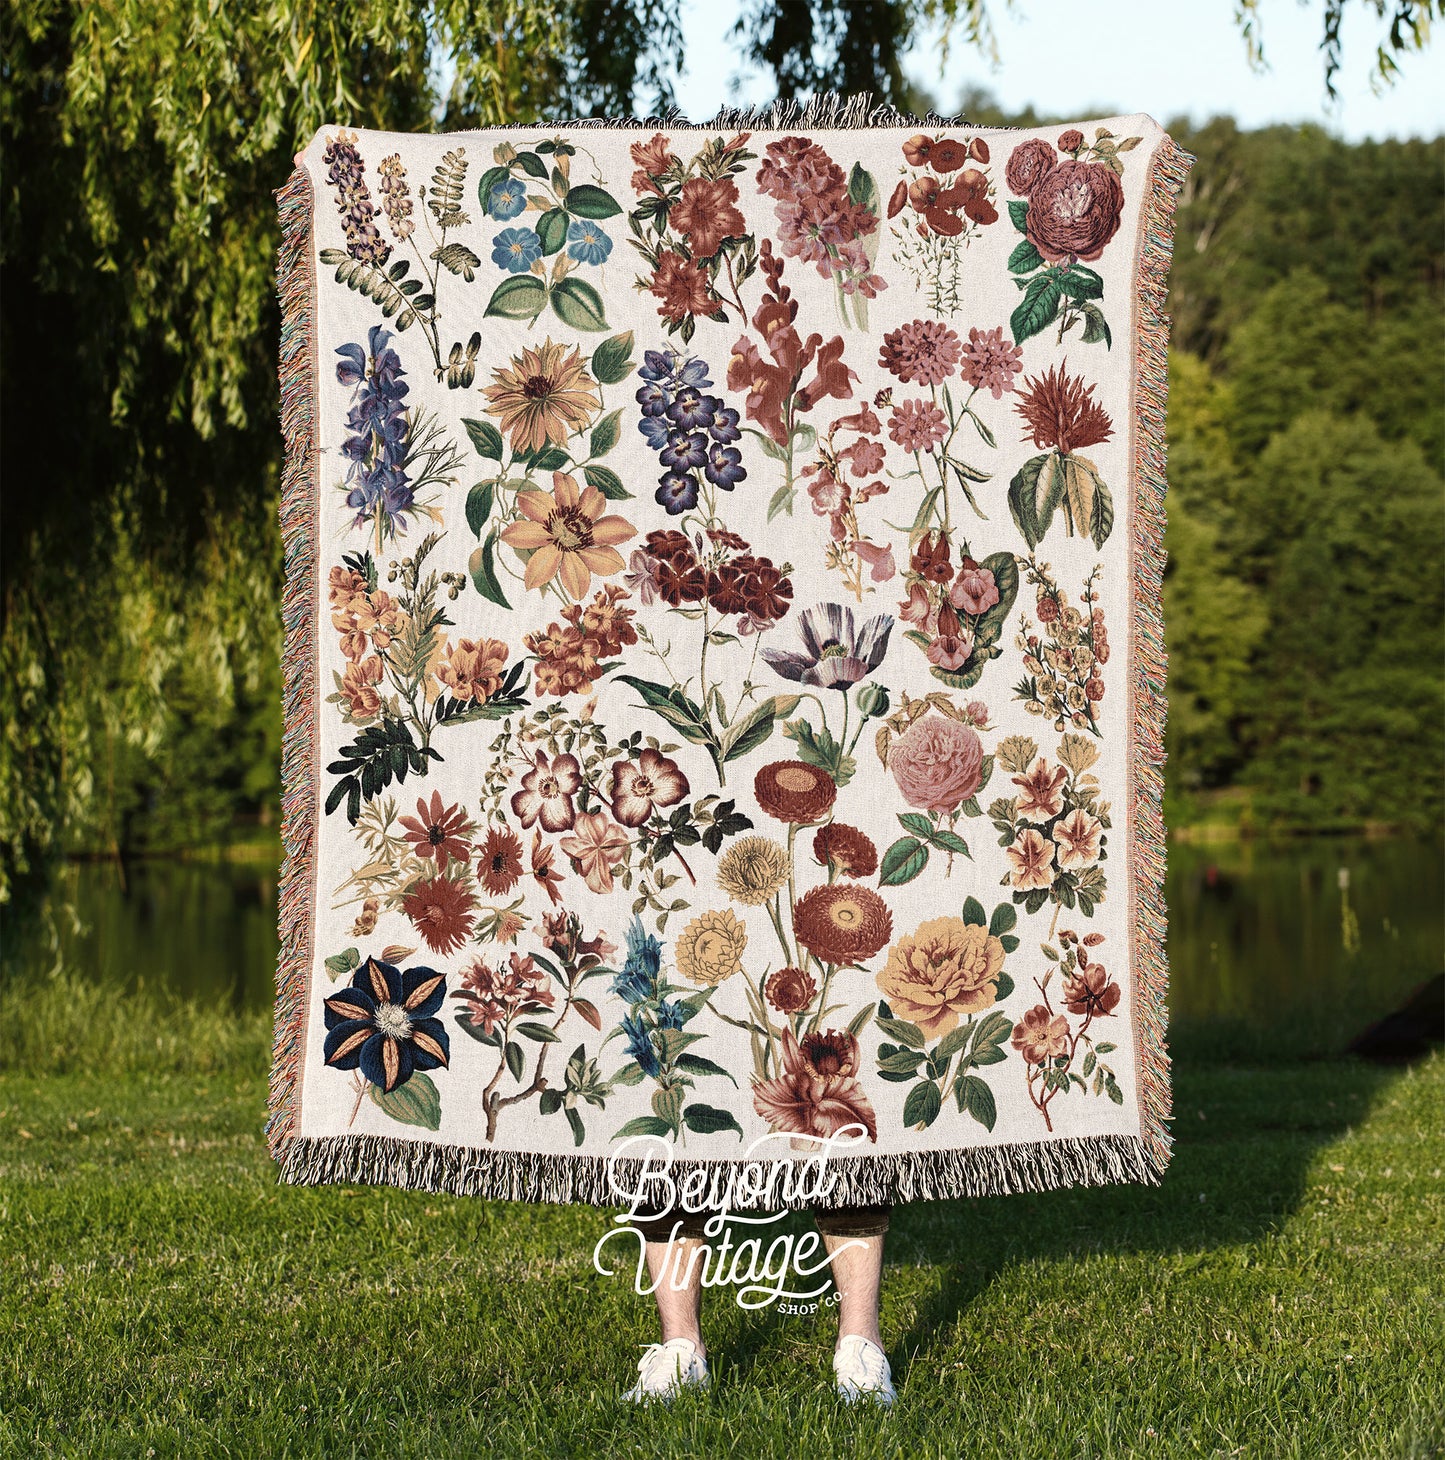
pixel 1303 597
pixel 139 698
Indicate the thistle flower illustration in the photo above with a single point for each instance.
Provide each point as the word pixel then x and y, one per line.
pixel 358 215
pixel 396 196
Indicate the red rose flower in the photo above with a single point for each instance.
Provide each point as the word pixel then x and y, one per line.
pixel 1075 211
pixel 1031 162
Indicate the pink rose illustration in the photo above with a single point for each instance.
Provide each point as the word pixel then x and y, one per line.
pixel 938 763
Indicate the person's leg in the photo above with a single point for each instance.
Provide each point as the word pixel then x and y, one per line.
pixel 853 1237
pixel 676 1271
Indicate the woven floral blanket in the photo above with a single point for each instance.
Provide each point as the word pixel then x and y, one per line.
pixel 724 660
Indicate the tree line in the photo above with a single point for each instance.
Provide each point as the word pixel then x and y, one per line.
pixel 139 650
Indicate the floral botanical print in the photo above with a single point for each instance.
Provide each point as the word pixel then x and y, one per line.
pixel 702 725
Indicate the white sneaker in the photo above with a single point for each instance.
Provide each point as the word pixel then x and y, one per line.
pixel 666 1368
pixel 861 1370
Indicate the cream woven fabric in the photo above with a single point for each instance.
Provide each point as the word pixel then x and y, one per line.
pixel 724 655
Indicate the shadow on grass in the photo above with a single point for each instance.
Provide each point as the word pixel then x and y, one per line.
pixel 1244 1139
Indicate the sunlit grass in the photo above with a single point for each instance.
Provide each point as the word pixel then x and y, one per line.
pixel 1278 1296
pixel 56 1023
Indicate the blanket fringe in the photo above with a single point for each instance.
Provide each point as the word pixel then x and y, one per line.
pixel 828 111
pixel 1147 846
pixel 296 288
pixel 860 1180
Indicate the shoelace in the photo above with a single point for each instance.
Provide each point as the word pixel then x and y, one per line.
pixel 870 1359
pixel 658 1361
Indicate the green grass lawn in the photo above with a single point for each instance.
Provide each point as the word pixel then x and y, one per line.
pixel 1280 1295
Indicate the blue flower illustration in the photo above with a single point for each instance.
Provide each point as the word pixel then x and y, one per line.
pixel 724 426
pixel 383 1024
pixel 835 654
pixel 724 467
pixel 516 249
pixel 691 408
pixel 690 430
pixel 671 1014
pixel 379 442
pixel 509 198
pixel 677 494
pixel 637 980
pixel 639 1046
pixel 684 450
pixel 587 243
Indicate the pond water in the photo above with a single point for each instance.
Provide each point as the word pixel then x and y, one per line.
pixel 1275 947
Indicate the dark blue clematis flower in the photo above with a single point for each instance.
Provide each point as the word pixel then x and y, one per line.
pixel 691 408
pixel 724 467
pixel 677 494
pixel 684 451
pixel 639 1046
pixel 383 1023
pixel 835 655
pixel 724 426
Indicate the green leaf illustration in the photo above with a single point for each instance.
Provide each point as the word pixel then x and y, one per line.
pixel 921 1108
pixel 485 438
pixel 643 1125
pixel 577 303
pixel 612 359
pixel 974 1096
pixel 903 1030
pixel 1037 309
pixel 902 862
pixel 415 1102
pixel 605 433
pixel 606 481
pixel 1025 258
pixel 531 164
pixel 520 297
pixel 457 258
pixel 696 1064
pixel 483 568
pixel 707 1120
pixel 552 230
pixel 1096 327
pixel 1018 211
pixel 479 506
pixel 586 201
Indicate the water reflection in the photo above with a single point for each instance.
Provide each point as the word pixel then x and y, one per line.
pixel 1275 946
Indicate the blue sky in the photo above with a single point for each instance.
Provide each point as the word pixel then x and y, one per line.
pixel 1102 57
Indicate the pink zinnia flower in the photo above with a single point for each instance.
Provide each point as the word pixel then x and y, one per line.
pixel 922 353
pixel 990 362
pixel 917 426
